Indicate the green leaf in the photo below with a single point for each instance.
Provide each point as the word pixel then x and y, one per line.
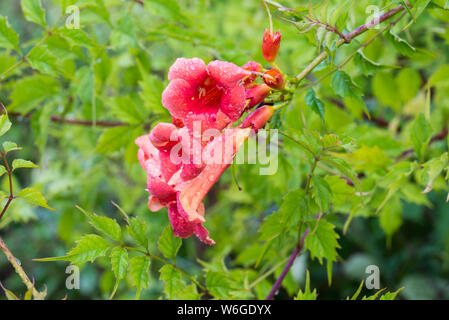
pixel 420 134
pixel 391 216
pixel 126 110
pixel 89 248
pixel 433 169
pixel 9 294
pixel 29 92
pixel 3 195
pixel 10 146
pixel 138 269
pixel 343 85
pixel 173 280
pixel 169 244
pixel 218 285
pixel 391 295
pixel 20 163
pixel 35 197
pixel 137 229
pixel 113 139
pixel 386 91
pixel 43 60
pixel 119 262
pixel 8 37
pixel 322 241
pixel 189 292
pixel 402 46
pixel 307 294
pixel 315 104
pixel 292 211
pixel 439 78
pixel 77 37
pixel 5 124
pixel 323 193
pixel 151 93
pixel 366 65
pixel 105 225
pixel 32 9
pixel 2 171
pixel 408 81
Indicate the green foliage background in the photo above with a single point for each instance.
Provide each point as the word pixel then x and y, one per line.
pixel 115 68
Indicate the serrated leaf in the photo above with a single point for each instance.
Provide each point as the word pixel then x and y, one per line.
pixel 169 244
pixel 401 45
pixel 33 12
pixel 125 109
pixel 315 104
pixel 391 295
pixel 105 225
pixel 138 269
pixel 293 210
pixel 8 37
pixel 89 248
pixel 137 230
pixel 77 37
pixel 189 292
pixel 5 124
pixel 173 280
pixel 119 262
pixel 20 163
pixel 35 197
pixel 29 92
pixel 322 241
pixel 322 192
pixel 342 84
pixel 218 285
pixel 43 60
pixel 307 294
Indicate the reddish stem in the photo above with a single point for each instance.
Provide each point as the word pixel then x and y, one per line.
pixel 287 267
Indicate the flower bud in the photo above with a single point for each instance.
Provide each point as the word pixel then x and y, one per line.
pixel 257 94
pixel 274 79
pixel 162 136
pixel 270 45
pixel 258 118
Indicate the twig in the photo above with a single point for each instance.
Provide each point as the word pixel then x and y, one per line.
pixel 11 195
pixel 440 136
pixel 348 38
pixel 19 270
pixel 87 123
pixel 287 267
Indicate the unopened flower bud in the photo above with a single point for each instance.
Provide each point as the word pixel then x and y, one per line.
pixel 162 136
pixel 270 45
pixel 258 118
pixel 257 94
pixel 274 79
